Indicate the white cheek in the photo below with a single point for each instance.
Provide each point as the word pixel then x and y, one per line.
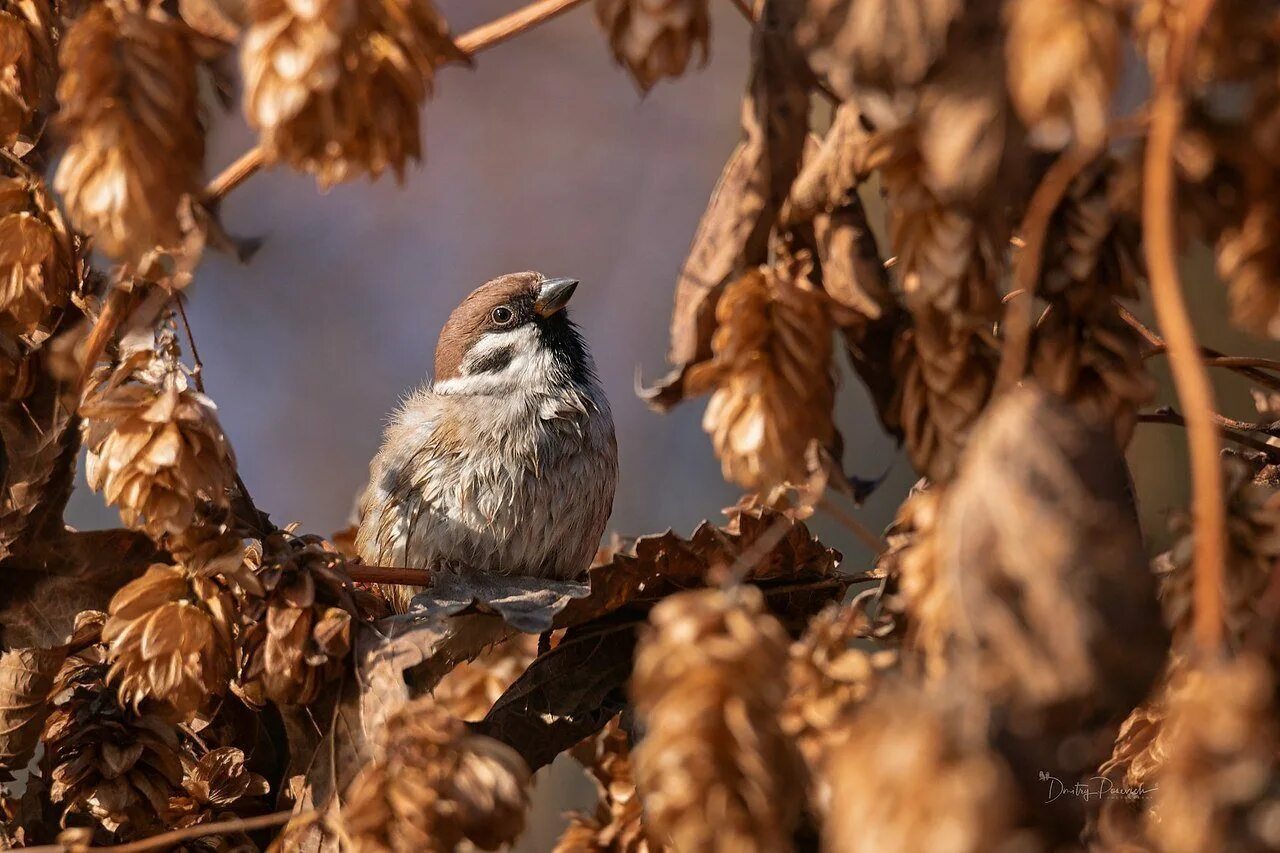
pixel 528 366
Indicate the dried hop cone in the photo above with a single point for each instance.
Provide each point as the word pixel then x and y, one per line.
pixel 1249 262
pixel 435 785
pixel 130 108
pixel 27 65
pixel 1063 62
pixel 299 632
pixel 1220 786
pixel 116 764
pixel 335 86
pixel 655 38
pixel 156 448
pixel 35 254
pixel 171 639
pixel 772 379
pixel 916 773
pixel 618 822
pixel 213 786
pixel 828 677
pixel 715 770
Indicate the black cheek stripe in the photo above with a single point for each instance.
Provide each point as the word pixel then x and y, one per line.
pixel 492 362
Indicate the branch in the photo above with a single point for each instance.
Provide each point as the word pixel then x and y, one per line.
pixel 471 42
pixel 1035 227
pixel 166 839
pixel 392 575
pixel 1213 358
pixel 512 25
pixel 1190 377
pixel 1169 416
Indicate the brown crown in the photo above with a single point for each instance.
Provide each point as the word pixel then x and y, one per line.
pixel 470 319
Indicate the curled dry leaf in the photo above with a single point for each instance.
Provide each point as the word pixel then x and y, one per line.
pixel 433 785
pixel 908 754
pixel 770 378
pixel 336 87
pixel 26 679
pixel 715 770
pixel 640 572
pixel 1063 62
pixel 655 40
pixel 130 107
pixel 28 68
pixel 156 448
pixel 171 639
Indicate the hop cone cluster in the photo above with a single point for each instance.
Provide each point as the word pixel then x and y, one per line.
pixel 130 108
pixel 118 765
pixel 335 86
pixel 171 638
pixel 828 676
pixel 27 66
pixel 618 822
pixel 771 372
pixel 715 770
pixel 213 786
pixel 436 785
pixel 655 38
pixel 915 773
pixel 35 254
pixel 156 448
pixel 1219 788
pixel 299 632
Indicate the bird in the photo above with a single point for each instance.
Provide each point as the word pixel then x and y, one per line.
pixel 506 462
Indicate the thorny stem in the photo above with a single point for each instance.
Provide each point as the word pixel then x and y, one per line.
pixel 1035 226
pixel 1190 377
pixel 167 839
pixel 471 42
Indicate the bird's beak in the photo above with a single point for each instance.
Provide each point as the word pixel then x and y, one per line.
pixel 554 295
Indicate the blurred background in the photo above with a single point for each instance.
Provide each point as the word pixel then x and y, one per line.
pixel 543 156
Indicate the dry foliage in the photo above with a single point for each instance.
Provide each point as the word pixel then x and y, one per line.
pixel 725 689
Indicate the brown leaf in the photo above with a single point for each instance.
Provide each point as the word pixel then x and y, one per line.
pixel 638 573
pixel 79 571
pixel 26 676
pixel 719 247
pixel 565 695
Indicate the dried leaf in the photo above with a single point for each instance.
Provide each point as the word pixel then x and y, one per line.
pixel 26 679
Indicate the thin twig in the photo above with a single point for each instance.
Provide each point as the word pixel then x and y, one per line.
pixel 245 167
pixel 873 542
pixel 1212 357
pixel 1168 416
pixel 1190 377
pixel 509 26
pixel 745 8
pixel 165 839
pixel 471 42
pixel 1017 325
pixel 198 370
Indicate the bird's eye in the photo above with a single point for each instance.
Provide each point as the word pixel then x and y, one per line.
pixel 502 315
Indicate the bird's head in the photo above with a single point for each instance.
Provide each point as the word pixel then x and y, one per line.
pixel 512 334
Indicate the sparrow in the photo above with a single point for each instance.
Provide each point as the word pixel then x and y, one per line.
pixel 506 462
